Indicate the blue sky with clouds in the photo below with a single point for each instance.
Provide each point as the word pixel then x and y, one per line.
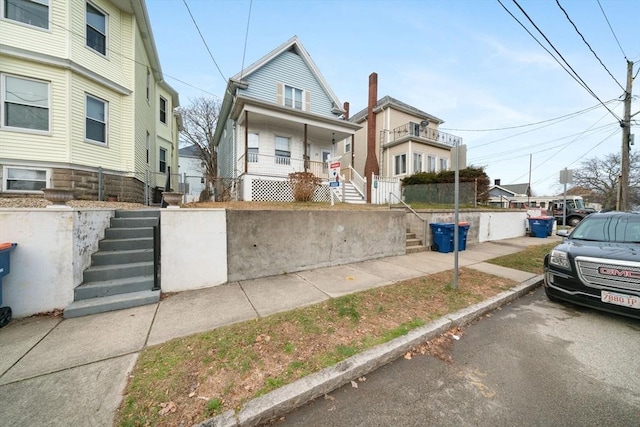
pixel 467 62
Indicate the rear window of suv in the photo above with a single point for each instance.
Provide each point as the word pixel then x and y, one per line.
pixel 615 229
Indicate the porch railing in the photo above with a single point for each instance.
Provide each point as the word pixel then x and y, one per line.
pixel 415 130
pixel 359 183
pixel 272 165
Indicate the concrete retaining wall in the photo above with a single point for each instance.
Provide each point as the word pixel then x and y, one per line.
pixel 193 248
pixel 266 243
pixel 484 225
pixel 54 248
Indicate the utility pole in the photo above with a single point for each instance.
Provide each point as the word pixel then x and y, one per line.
pixel 623 193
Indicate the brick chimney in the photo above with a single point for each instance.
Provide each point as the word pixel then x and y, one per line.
pixel 371 162
pixel 496 182
pixel 345 107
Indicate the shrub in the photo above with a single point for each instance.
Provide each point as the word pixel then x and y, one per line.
pixel 303 184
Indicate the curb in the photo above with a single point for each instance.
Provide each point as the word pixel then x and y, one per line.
pixel 291 396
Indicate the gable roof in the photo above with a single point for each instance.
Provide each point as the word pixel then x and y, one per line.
pixel 514 189
pixel 189 151
pixel 295 45
pixel 389 101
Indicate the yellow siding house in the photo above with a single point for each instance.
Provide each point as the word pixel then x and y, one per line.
pixel 83 103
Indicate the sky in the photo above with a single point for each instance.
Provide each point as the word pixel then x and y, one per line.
pixel 467 62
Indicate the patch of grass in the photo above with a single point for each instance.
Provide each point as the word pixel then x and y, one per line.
pixel 531 259
pixel 241 361
pixel 213 407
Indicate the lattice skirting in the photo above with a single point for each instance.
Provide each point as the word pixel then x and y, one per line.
pixel 263 190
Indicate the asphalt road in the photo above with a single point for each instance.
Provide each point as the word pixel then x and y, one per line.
pixel 531 363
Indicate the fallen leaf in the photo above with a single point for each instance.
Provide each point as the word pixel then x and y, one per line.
pixel 362 379
pixel 167 407
pixel 354 384
pixel 193 393
pixel 408 356
pixel 327 397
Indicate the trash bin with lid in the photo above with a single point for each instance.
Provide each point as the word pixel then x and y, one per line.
pixel 5 264
pixel 463 230
pixel 539 226
pixel 442 237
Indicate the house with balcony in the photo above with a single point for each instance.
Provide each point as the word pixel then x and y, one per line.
pixel 407 141
pixel 83 102
pixel 278 116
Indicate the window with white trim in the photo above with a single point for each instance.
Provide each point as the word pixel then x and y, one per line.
pixel 163 110
pixel 431 164
pixel 417 162
pixel 253 147
pixel 25 103
pixel 96 119
pixel 163 160
pixel 400 164
pixel 25 179
pixel 444 164
pixel 292 97
pixel 96 32
pixel 30 12
pixel 347 145
pixel 283 151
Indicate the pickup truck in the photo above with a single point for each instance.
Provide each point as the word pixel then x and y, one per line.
pixel 576 211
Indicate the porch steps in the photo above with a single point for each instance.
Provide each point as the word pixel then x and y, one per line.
pixel 414 244
pixel 351 195
pixel 121 272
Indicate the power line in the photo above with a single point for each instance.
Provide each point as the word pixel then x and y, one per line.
pixel 612 32
pixel 590 150
pixel 204 41
pixel 588 45
pixel 246 37
pixel 575 75
pixel 521 133
pixel 565 146
pixel 528 124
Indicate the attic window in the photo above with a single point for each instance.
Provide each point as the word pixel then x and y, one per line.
pixel 293 97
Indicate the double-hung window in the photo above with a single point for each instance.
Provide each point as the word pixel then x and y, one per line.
pixel 431 164
pixel 400 164
pixel 163 160
pixel 347 145
pixel 25 103
pixel 444 164
pixel 417 162
pixel 96 29
pixel 30 12
pixel 163 110
pixel 253 147
pixel 96 119
pixel 283 152
pixel 293 97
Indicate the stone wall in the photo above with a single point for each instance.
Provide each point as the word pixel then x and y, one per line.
pixel 85 185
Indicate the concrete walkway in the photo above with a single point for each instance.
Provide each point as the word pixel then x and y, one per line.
pixel 59 372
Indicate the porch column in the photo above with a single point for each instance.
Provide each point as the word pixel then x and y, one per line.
pixel 306 153
pixel 246 142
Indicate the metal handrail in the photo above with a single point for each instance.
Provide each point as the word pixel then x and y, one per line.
pixel 424 221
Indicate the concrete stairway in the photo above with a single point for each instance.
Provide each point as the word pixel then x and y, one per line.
pixel 414 244
pixel 121 274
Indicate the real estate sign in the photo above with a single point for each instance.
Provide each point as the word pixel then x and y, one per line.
pixel 334 173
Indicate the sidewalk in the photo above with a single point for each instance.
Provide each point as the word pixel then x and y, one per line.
pixel 66 372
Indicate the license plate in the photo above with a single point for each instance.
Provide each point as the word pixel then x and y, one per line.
pixel 620 299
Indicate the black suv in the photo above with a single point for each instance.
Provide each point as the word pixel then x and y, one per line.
pixel 598 264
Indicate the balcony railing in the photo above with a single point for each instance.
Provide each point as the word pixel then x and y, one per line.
pixel 415 130
pixel 265 164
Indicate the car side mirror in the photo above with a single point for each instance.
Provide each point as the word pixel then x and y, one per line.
pixel 562 233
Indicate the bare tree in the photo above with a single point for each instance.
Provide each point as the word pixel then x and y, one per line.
pixel 199 125
pixel 600 175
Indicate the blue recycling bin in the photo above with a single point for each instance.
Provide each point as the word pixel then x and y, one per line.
pixel 5 264
pixel 463 229
pixel 442 237
pixel 540 226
